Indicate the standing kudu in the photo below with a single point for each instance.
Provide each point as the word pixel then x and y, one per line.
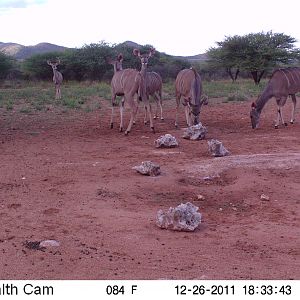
pixel 150 83
pixel 189 86
pixel 124 83
pixel 57 77
pixel 127 83
pixel 283 82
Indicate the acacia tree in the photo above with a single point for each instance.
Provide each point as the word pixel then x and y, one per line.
pixel 93 59
pixel 266 51
pixel 227 55
pixel 254 52
pixel 6 64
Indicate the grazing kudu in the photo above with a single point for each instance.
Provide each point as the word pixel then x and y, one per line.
pixel 146 83
pixel 189 86
pixel 124 83
pixel 57 77
pixel 283 82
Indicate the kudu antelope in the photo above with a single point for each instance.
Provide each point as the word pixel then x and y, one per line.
pixel 283 83
pixel 149 84
pixel 189 86
pixel 124 83
pixel 127 83
pixel 57 77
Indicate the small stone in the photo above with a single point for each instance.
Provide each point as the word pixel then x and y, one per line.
pixel 49 243
pixel 184 217
pixel 166 141
pixel 217 149
pixel 195 132
pixel 264 197
pixel 148 168
pixel 200 197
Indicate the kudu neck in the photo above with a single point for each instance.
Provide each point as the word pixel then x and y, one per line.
pixel 143 69
pixel 266 95
pixel 117 67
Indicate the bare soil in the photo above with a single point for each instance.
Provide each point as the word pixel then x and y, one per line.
pixel 68 177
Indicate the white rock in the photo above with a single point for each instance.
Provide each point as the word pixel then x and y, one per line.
pixel 200 197
pixel 49 243
pixel 148 168
pixel 166 141
pixel 217 149
pixel 184 217
pixel 195 132
pixel 264 197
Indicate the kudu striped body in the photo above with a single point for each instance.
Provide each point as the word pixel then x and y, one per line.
pixel 124 83
pixel 154 89
pixel 283 83
pixel 188 86
pixel 57 78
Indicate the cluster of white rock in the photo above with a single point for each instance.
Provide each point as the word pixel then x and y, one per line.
pixel 184 217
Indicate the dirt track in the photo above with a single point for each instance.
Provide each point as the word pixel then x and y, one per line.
pixel 68 177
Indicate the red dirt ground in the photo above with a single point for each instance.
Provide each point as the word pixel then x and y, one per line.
pixel 68 177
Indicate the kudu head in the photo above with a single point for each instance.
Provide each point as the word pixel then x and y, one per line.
pixel 254 116
pixel 117 63
pixel 53 64
pixel 144 57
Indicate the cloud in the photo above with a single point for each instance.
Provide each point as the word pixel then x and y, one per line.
pixel 11 4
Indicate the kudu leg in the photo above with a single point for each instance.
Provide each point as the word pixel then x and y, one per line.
pixel 280 103
pixel 148 105
pixel 158 106
pixel 293 109
pixel 59 92
pixel 279 117
pixel 161 109
pixel 148 111
pixel 113 104
pixel 121 113
pixel 137 108
pixel 133 111
pixel 155 115
pixel 145 115
pixel 188 115
pixel 56 92
pixel 177 110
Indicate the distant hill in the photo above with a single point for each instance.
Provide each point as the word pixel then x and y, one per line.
pixel 132 44
pixel 194 58
pixel 22 52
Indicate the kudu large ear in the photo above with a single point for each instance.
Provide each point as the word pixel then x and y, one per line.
pixel 136 52
pixel 151 52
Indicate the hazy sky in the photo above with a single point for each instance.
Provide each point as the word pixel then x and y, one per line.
pixel 177 27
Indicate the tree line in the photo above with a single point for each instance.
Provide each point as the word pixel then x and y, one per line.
pixel 252 55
